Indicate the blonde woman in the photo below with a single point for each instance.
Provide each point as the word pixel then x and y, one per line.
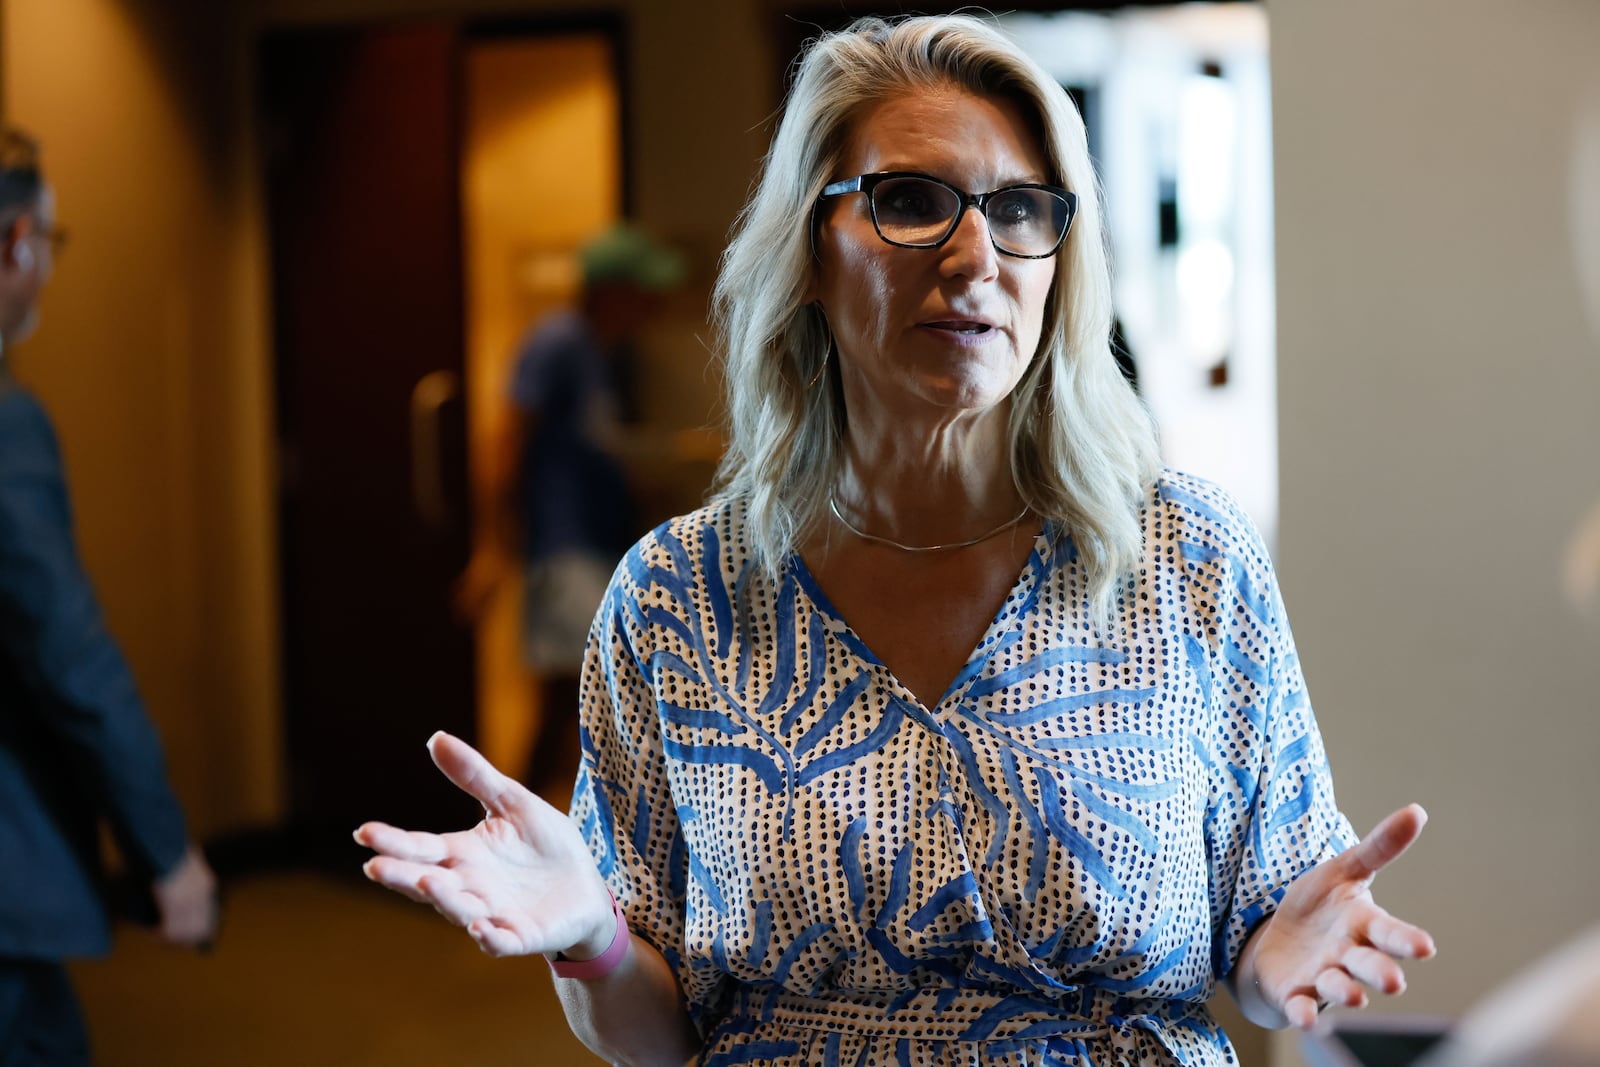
pixel 952 730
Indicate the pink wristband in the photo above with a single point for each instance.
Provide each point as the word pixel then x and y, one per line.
pixel 602 964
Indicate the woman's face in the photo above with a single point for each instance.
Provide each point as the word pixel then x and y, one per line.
pixel 944 331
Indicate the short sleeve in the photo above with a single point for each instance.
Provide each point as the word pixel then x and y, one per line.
pixel 623 802
pixel 54 640
pixel 1271 814
pixel 528 374
pixel 551 364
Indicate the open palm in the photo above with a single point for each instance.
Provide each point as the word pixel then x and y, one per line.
pixel 1328 940
pixel 521 881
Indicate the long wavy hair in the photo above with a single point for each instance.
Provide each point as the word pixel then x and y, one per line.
pixel 1083 450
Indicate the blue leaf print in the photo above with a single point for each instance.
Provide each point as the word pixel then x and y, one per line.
pixel 698 719
pixel 1055 816
pixel 835 714
pixel 846 756
pixel 761 766
pixel 1043 662
pixel 1066 705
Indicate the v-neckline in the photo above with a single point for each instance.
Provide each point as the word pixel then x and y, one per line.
pixel 1020 593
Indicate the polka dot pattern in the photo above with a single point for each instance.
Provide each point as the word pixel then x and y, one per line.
pixel 1053 865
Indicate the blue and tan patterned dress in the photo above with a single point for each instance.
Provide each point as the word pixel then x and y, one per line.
pixel 1053 865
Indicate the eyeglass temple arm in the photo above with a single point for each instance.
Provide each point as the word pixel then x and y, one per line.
pixel 849 185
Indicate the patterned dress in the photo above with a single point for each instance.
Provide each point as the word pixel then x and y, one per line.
pixel 1053 865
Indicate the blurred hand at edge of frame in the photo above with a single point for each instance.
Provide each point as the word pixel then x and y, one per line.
pixel 188 903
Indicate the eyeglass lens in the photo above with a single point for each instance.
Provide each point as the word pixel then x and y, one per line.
pixel 920 212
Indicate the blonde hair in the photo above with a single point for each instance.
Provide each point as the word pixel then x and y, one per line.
pixel 1083 449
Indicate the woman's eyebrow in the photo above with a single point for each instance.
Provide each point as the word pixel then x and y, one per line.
pixel 1026 178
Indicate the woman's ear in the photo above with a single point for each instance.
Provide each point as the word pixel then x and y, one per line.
pixel 15 252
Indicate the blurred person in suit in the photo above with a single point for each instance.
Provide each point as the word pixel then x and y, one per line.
pixel 76 746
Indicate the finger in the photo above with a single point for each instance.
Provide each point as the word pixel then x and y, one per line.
pixel 1386 841
pixel 473 774
pixel 444 892
pixel 1376 969
pixel 495 940
pixel 1301 1011
pixel 1335 986
pixel 417 846
pixel 1399 938
pixel 401 876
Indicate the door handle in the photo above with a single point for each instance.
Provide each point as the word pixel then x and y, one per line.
pixel 428 398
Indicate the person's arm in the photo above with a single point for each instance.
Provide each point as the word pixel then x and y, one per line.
pixel 499 519
pixel 523 882
pixel 634 1015
pixel 52 630
pixel 186 901
pixel 497 526
pixel 1294 923
pixel 1328 942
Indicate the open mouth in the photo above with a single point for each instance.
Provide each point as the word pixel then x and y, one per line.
pixel 960 326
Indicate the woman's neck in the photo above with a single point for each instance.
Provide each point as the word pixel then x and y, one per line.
pixel 930 486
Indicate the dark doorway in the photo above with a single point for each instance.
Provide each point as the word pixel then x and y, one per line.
pixel 361 146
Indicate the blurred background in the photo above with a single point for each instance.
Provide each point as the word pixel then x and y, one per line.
pixel 1356 281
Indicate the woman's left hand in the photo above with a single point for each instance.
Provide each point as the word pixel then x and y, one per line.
pixel 1328 940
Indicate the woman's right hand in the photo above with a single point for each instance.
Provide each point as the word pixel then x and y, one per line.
pixel 521 881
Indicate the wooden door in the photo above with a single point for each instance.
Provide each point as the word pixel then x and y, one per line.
pixel 361 155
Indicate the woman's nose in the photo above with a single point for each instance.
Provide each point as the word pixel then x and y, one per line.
pixel 970 251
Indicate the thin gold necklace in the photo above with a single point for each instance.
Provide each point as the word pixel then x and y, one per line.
pixel 833 506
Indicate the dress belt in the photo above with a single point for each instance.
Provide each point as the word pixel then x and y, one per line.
pixel 954 1014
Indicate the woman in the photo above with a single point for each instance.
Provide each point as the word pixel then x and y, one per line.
pixel 953 730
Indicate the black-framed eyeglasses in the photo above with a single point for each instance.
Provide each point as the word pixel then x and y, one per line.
pixel 912 210
pixel 53 235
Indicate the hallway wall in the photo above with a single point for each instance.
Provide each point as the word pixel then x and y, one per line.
pixel 150 357
pixel 1439 410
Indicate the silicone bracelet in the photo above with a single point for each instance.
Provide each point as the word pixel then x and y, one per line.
pixel 602 964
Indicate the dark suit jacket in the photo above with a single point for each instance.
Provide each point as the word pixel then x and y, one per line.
pixel 75 743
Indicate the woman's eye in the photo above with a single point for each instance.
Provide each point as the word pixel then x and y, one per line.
pixel 909 204
pixel 913 200
pixel 1012 211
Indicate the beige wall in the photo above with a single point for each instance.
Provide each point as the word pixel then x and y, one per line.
pixel 150 358
pixel 1439 401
